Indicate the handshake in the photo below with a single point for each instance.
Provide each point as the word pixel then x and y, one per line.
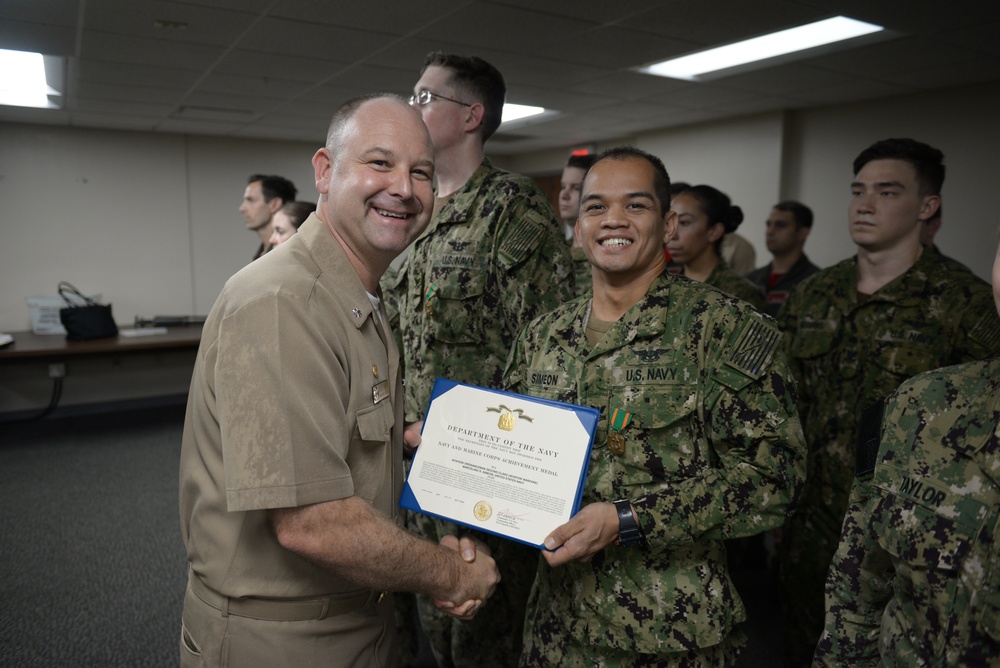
pixel 470 581
pixel 476 577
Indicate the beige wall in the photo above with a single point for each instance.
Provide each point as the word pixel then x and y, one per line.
pixel 822 144
pixel 807 155
pixel 150 220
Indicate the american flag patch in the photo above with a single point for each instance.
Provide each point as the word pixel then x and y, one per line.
pixel 754 348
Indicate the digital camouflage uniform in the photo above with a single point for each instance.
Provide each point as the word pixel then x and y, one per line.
pixel 916 579
pixel 581 271
pixel 733 284
pixel 847 352
pixel 698 389
pixel 492 259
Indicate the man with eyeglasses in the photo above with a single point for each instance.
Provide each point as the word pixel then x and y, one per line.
pixel 492 259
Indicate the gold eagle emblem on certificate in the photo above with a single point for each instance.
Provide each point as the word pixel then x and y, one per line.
pixel 482 510
pixel 508 417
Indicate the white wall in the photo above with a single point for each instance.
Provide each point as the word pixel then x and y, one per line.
pixel 807 155
pixel 742 158
pixel 822 144
pixel 150 221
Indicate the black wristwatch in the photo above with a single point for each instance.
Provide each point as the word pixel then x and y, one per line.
pixel 629 532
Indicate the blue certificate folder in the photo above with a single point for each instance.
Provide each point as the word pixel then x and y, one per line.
pixel 507 464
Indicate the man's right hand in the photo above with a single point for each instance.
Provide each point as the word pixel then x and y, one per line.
pixel 477 580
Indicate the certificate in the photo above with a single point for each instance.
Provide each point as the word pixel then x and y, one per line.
pixel 504 463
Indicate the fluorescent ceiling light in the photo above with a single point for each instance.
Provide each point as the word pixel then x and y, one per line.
pixel 23 82
pixel 779 43
pixel 514 112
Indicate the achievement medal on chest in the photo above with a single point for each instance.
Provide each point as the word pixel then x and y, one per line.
pixel 616 425
pixel 429 298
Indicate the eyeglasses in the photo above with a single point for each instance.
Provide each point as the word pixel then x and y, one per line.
pixel 425 96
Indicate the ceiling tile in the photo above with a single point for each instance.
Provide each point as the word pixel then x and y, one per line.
pixel 505 28
pixel 913 17
pixel 715 22
pixel 134 74
pixel 279 66
pixel 854 91
pixel 876 61
pixel 289 63
pixel 116 93
pixel 48 12
pixel 145 51
pixel 52 40
pixel 394 18
pixel 252 86
pixel 787 79
pixel 310 40
pixel 595 11
pixel 202 25
pixel 618 48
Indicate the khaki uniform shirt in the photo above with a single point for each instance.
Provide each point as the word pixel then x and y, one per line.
pixel 695 385
pixel 281 414
pixel 916 579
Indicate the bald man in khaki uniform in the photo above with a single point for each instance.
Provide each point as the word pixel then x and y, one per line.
pixel 291 464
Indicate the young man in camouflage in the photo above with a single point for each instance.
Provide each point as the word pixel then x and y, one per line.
pixel 698 441
pixel 492 258
pixel 917 573
pixel 854 332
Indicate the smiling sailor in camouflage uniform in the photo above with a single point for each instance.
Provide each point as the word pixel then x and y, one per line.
pixel 698 441
pixel 917 573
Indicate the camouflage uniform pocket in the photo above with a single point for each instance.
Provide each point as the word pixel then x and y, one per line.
pixel 904 359
pixel 660 440
pixel 457 307
pixel 928 551
pixel 812 343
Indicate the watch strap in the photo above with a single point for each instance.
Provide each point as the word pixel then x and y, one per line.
pixel 629 532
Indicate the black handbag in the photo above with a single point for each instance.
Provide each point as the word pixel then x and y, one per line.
pixel 86 320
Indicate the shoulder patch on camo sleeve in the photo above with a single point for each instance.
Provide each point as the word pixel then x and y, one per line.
pixel 754 347
pixel 987 332
pixel 522 239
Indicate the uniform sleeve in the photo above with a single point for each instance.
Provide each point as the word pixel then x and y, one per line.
pixel 536 267
pixel 788 323
pixel 858 588
pixel 513 374
pixel 980 335
pixel 282 400
pixel 755 443
pixel 393 287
